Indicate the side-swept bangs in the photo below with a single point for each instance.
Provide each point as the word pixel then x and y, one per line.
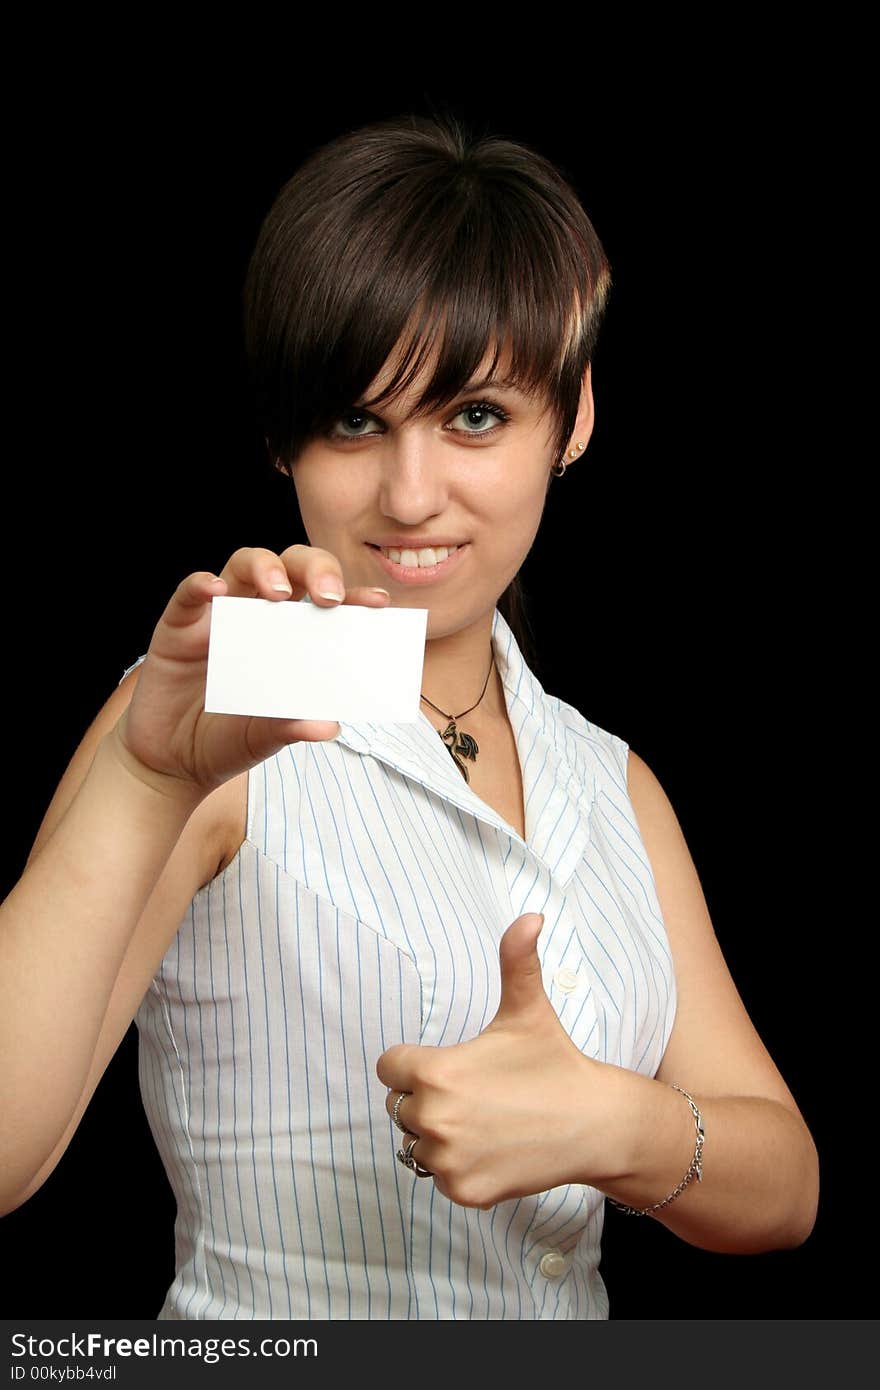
pixel 414 231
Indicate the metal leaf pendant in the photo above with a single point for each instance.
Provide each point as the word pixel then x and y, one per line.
pixel 460 745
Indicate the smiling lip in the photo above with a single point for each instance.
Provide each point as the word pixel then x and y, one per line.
pixel 414 542
pixel 416 574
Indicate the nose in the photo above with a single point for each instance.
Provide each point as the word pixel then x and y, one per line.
pixel 413 481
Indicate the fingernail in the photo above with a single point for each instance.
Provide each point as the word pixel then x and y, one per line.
pixel 280 582
pixel 329 587
pixel 377 590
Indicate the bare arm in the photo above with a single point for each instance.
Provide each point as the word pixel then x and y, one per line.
pixel 760 1166
pixel 66 927
pixel 136 827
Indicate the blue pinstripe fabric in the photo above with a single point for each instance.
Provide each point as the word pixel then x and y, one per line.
pixel 365 907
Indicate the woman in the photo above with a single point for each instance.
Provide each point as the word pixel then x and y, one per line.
pixel 413 1000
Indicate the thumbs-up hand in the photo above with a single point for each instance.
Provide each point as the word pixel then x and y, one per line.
pixel 511 1112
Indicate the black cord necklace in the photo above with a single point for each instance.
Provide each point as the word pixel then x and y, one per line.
pixel 460 744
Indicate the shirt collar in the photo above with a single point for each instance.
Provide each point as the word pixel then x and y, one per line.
pixel 557 794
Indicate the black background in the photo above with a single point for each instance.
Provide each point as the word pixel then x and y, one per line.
pixel 678 585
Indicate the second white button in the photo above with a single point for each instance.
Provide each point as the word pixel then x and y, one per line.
pixel 553 1264
pixel 566 980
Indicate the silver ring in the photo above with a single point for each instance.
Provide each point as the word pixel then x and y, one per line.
pixel 405 1156
pixel 394 1113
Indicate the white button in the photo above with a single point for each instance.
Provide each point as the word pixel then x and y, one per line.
pixel 553 1264
pixel 566 979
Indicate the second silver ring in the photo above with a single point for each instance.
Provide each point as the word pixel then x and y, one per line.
pixel 408 1159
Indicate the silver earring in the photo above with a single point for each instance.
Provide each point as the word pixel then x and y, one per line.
pixel 559 468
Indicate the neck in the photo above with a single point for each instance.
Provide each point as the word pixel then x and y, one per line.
pixel 455 671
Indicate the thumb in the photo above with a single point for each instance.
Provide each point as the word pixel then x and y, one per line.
pixel 521 984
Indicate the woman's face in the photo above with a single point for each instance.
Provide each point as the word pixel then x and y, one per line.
pixel 461 476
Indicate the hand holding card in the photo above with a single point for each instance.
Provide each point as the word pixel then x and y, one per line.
pixel 167 738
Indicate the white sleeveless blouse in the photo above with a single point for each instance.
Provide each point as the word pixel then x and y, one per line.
pixel 365 908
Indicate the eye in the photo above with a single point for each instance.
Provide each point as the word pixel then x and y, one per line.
pixel 483 410
pixel 356 417
pixel 477 413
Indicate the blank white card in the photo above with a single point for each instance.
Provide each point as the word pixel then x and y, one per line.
pixel 294 660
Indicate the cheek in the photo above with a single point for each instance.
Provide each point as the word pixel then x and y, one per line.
pixel 518 501
pixel 325 498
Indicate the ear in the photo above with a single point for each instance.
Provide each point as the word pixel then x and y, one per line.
pixel 586 410
pixel 583 425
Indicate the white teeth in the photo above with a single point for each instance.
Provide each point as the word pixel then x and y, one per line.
pixel 421 559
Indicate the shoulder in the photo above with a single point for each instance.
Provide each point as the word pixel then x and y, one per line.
pixel 645 789
pixel 588 745
pixel 674 870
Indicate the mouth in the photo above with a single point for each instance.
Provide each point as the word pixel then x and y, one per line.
pixel 419 574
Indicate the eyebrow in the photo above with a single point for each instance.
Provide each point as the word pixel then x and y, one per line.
pixel 500 383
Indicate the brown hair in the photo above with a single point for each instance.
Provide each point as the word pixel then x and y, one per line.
pixel 412 223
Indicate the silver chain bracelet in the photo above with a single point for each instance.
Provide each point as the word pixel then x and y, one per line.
pixel 695 1170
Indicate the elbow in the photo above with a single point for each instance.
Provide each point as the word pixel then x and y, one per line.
pixel 796 1231
pixel 11 1200
pixel 809 1205
pixel 789 1217
pixel 10 1204
pixel 804 1206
